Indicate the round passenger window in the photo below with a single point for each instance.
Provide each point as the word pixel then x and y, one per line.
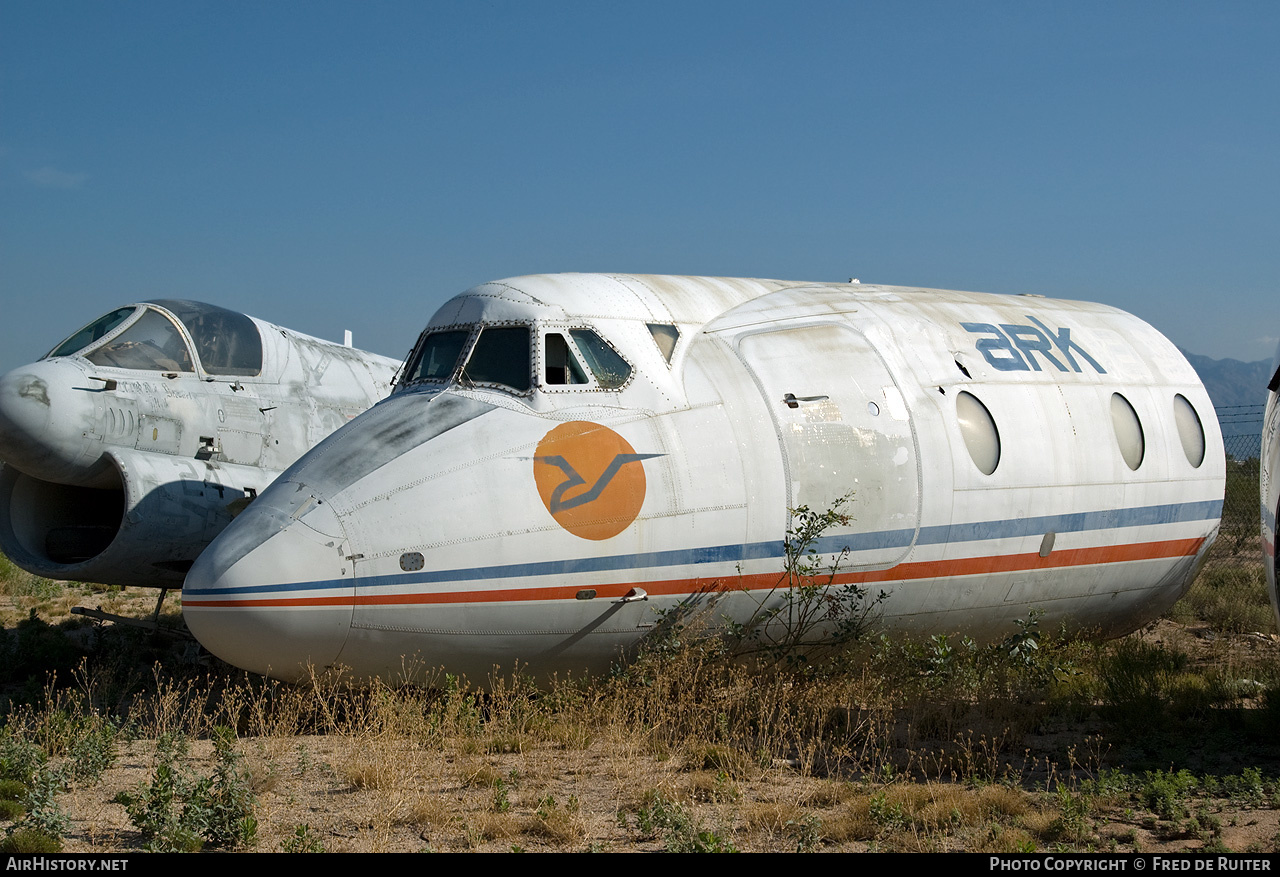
pixel 1128 428
pixel 978 427
pixel 1190 430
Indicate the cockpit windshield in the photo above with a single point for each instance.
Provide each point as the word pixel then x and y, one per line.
pixel 152 343
pixel 91 332
pixel 501 356
pixel 227 341
pixel 436 358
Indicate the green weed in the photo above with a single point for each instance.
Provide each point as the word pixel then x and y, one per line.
pixel 680 832
pixel 179 812
pixel 303 840
pixel 28 841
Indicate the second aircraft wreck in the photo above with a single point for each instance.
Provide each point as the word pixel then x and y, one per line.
pixel 567 455
pixel 131 444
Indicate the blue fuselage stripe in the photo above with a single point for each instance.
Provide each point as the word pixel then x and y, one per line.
pixel 1140 516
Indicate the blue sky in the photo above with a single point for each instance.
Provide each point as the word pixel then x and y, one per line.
pixel 332 165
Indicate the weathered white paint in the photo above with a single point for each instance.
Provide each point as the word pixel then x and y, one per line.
pixel 1270 484
pixel 124 475
pixel 426 531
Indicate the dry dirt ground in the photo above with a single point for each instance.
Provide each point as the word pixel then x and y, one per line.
pixel 614 793
pixel 362 796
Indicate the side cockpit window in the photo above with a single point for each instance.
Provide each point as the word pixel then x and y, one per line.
pixel 152 343
pixel 611 371
pixel 665 336
pixel 92 332
pixel 560 366
pixel 501 357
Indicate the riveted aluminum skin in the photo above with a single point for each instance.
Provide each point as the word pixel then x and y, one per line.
pixel 562 511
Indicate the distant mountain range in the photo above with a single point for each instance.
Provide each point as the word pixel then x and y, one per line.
pixel 1231 382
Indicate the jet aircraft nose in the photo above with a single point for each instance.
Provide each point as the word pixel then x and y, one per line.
pixel 46 415
pixel 274 592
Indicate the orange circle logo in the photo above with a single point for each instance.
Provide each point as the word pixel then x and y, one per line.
pixel 590 479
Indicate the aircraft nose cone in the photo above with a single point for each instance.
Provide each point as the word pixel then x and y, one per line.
pixel 45 410
pixel 273 594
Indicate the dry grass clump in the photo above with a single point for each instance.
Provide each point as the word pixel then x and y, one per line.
pixel 481 774
pixel 372 767
pixel 1230 598
pixel 708 787
pixel 430 810
pixel 477 828
pixel 897 816
pixel 556 823
pixel 773 816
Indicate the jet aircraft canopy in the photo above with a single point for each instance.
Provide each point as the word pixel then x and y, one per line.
pixel 158 336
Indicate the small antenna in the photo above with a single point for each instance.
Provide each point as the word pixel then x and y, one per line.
pixel 346 337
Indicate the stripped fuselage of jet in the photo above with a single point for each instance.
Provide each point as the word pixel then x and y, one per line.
pixel 568 456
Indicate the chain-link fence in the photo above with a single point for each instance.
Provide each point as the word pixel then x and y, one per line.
pixel 1234 563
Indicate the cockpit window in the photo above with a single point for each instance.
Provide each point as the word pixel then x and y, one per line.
pixel 91 332
pixel 610 369
pixel 227 341
pixel 437 357
pixel 501 356
pixel 152 343
pixel 665 336
pixel 559 365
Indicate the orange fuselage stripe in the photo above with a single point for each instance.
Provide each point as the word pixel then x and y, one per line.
pixel 965 566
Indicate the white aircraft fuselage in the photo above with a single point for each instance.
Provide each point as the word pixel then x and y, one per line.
pixel 567 456
pixel 136 440
pixel 1269 485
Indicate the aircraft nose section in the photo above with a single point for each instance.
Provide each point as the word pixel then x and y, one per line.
pixel 45 410
pixel 273 594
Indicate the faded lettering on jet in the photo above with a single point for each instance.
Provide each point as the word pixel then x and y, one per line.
pixel 1014 348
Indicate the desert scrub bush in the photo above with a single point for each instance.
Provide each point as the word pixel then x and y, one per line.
pixel 561 824
pixel 43 813
pixel 23 587
pixel 1167 794
pixel 784 677
pixel 180 812
pixel 92 753
pixel 20 759
pixel 27 841
pixel 34 650
pixel 303 840
pixel 679 831
pixel 1230 598
pixel 893 814
pixel 30 785
pixel 12 794
pixel 1071 816
pixel 1140 683
pixel 1023 667
pixel 801 626
pixel 84 742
